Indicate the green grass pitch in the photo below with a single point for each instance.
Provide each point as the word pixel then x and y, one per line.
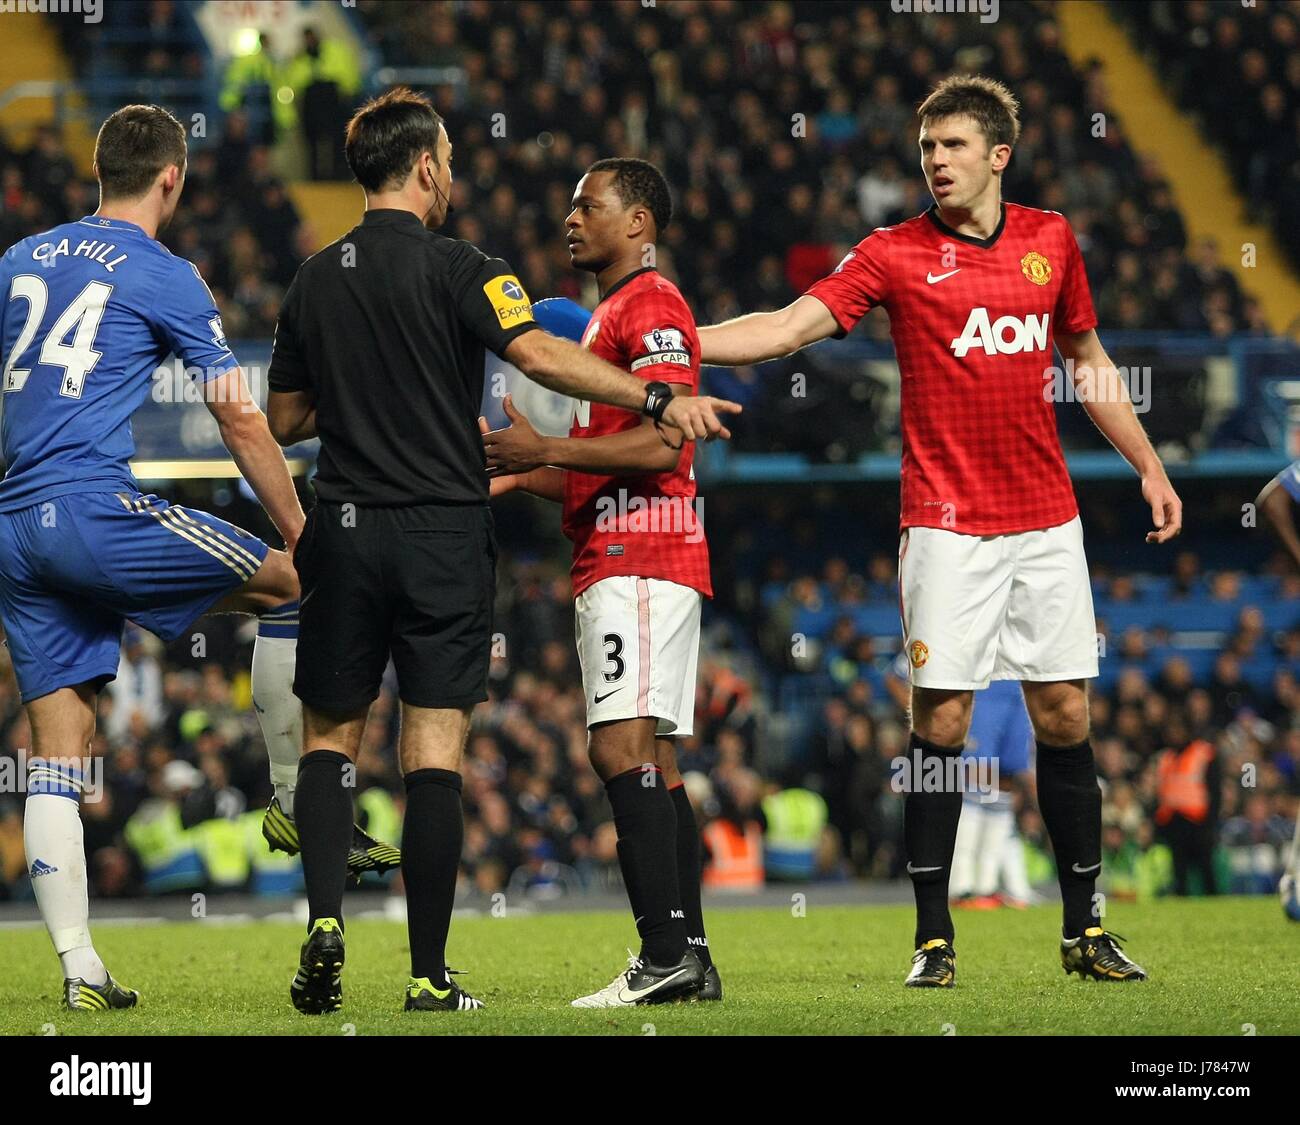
pixel 1215 966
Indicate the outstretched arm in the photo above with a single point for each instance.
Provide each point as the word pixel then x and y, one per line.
pixel 766 335
pixel 561 365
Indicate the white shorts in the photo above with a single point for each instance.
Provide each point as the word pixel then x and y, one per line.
pixel 638 643
pixel 996 607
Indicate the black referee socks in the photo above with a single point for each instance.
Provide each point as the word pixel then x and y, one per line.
pixel 433 831
pixel 647 853
pixel 1069 798
pixel 929 836
pixel 322 809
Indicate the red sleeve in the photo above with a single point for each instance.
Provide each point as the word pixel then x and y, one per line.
pixel 858 283
pixel 659 339
pixel 1074 311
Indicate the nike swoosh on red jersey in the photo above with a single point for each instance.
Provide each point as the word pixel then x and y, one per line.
pixel 932 279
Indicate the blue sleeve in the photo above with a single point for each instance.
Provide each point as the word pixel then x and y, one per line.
pixel 188 318
pixel 1289 479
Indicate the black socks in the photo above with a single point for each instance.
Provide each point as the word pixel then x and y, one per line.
pixel 433 831
pixel 322 809
pixel 646 822
pixel 689 867
pixel 929 835
pixel 1069 798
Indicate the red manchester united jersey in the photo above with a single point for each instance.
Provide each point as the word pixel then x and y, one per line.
pixel 648 525
pixel 972 321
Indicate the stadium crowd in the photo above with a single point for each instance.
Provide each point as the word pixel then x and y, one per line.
pixel 787 133
pixel 784 129
pixel 1237 66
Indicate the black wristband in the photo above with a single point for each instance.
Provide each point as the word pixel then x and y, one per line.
pixel 657 398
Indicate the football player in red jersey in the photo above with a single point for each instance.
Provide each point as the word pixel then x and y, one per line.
pixel 640 572
pixel 993 581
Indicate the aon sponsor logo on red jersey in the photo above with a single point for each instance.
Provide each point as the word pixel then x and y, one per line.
pixel 1008 335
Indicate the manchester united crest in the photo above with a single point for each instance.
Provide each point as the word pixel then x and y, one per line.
pixel 918 653
pixel 1037 268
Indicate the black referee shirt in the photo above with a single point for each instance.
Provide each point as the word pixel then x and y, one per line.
pixel 386 329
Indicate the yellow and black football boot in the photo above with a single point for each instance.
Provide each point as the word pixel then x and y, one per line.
pixel 934 965
pixel 1097 956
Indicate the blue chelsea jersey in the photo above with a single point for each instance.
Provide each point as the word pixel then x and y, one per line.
pixel 90 310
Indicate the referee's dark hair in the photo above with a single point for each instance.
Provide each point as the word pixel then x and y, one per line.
pixel 639 181
pixel 386 136
pixel 134 144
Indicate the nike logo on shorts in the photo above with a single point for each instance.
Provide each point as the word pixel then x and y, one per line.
pixel 602 698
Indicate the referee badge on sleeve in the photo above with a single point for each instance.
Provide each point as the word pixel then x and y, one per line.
pixel 508 300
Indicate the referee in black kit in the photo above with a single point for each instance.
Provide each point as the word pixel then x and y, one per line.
pixel 379 352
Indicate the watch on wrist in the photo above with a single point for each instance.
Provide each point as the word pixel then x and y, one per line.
pixel 657 398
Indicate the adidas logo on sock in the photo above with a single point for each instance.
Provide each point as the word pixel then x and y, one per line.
pixel 40 867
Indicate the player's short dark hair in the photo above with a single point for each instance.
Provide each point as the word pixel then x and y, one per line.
pixel 134 144
pixel 987 101
pixel 386 136
pixel 639 181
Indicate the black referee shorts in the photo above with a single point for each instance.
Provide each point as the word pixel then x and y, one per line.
pixel 417 583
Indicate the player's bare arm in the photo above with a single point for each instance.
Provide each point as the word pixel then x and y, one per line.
pixel 519 448
pixel 1276 506
pixel 766 335
pixel 291 415
pixel 1106 399
pixel 560 365
pixel 261 461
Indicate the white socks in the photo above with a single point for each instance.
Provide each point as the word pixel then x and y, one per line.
pixel 56 861
pixel 279 711
pixel 965 852
pixel 988 852
pixel 999 824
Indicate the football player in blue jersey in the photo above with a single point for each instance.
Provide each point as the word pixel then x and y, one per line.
pixel 1276 502
pixel 88 312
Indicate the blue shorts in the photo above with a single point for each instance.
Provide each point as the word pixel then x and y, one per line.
pixel 1000 727
pixel 74 568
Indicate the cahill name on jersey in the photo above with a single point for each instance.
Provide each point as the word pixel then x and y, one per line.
pixel 648 525
pixel 90 309
pixel 972 321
